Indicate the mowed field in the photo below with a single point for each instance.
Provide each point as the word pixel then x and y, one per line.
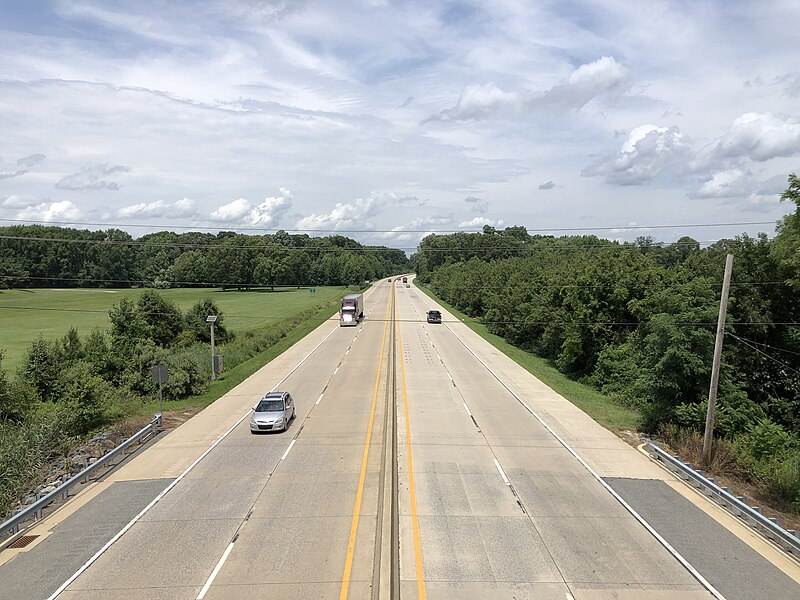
pixel 25 314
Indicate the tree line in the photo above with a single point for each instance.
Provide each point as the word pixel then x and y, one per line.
pixel 637 321
pixel 45 256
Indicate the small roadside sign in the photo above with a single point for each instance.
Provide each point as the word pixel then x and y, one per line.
pixel 159 373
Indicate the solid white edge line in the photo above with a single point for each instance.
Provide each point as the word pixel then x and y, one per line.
pixel 466 408
pixel 155 500
pixel 135 519
pixel 502 473
pixel 702 580
pixel 285 454
pixel 216 570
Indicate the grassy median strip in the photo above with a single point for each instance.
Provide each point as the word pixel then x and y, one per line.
pixel 598 406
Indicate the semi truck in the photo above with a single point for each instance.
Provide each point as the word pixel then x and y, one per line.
pixel 352 310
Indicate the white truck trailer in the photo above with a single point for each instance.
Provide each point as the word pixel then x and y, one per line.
pixel 352 310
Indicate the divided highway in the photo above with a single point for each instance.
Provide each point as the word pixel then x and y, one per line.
pixel 421 464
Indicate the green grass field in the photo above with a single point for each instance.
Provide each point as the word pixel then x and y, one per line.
pixel 26 314
pixel 598 406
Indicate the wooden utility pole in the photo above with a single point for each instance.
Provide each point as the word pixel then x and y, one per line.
pixel 712 390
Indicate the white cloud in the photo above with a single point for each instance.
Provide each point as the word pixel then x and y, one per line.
pixel 480 222
pixel 478 102
pixel 92 178
pixel 51 211
pixel 271 210
pixel 13 201
pixel 587 82
pixel 761 137
pixel 648 152
pixel 345 215
pixel 233 211
pixel 725 184
pixel 160 209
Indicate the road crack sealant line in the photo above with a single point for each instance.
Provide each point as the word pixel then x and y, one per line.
pixel 675 554
pixel 175 482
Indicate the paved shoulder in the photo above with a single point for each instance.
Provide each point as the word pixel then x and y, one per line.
pixel 37 572
pixel 728 563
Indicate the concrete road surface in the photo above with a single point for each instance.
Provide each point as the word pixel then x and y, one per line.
pixel 504 490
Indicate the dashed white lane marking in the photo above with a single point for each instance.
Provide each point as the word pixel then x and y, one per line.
pixel 216 570
pixel 319 399
pixel 466 408
pixel 336 371
pixel 677 555
pixel 285 454
pixel 175 481
pixel 348 352
pixel 439 357
pixel 502 473
pixel 450 378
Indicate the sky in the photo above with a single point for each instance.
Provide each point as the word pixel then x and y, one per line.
pixel 385 120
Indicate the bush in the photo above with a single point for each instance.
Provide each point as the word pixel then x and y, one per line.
pixel 84 399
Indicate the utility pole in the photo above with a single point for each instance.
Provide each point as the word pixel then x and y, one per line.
pixel 210 320
pixel 712 390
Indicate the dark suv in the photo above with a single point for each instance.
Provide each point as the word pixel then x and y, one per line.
pixel 434 316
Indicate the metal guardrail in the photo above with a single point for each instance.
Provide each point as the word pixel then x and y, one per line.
pixel 785 538
pixel 13 524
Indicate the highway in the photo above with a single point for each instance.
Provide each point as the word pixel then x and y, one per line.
pixel 422 464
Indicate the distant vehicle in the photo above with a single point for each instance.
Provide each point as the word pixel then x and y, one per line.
pixel 389 280
pixel 273 412
pixel 434 316
pixel 405 279
pixel 352 310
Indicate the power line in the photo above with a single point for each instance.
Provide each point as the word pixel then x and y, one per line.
pixel 218 245
pixel 176 283
pixel 429 231
pixel 765 345
pixel 379 320
pixel 772 358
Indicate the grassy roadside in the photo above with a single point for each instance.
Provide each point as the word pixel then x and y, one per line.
pixel 300 326
pixel 598 406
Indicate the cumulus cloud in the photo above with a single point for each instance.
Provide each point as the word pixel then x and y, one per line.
pixel 354 215
pixel 547 185
pixel 480 222
pixel 588 81
pixel 725 184
pixel 50 211
pixel 25 162
pixel 647 152
pixel 233 211
pixel 13 201
pixel 271 210
pixel 345 215
pixel 160 209
pixel 477 205
pixel 477 102
pixel 761 137
pixel 418 228
pixel 92 178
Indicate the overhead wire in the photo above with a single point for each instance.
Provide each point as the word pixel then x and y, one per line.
pixel 615 228
pixel 769 356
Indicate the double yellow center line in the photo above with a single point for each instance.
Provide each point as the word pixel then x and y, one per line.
pixel 351 546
